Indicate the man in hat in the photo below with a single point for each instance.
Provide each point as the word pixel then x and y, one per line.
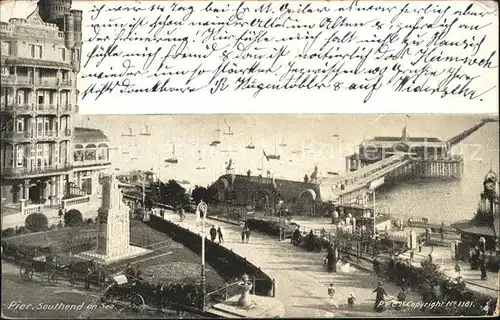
pixel 380 297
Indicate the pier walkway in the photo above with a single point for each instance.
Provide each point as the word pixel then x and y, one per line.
pixel 301 282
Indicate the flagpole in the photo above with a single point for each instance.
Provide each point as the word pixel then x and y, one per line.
pixel 262 162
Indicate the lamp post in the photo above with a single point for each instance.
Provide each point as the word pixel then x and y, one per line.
pixel 203 208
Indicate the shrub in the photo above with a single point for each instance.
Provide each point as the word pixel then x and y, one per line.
pixel 73 218
pixel 36 222
pixel 90 221
pixel 22 230
pixel 9 232
pixel 53 227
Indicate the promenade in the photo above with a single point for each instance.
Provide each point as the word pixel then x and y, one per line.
pixel 301 281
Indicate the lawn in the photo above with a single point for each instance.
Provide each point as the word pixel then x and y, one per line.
pixel 169 261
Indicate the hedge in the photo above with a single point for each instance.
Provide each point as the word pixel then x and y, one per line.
pixel 9 232
pixel 73 218
pixel 223 260
pixel 433 285
pixel 37 222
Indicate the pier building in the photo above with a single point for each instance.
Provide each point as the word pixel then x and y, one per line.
pixel 47 162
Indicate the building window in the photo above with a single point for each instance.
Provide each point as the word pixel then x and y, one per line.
pixel 78 54
pixel 20 125
pixel 20 156
pixel 39 51
pixel 32 50
pixel 63 54
pixel 6 48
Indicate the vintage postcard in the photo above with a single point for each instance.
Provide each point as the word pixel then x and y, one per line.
pixel 249 159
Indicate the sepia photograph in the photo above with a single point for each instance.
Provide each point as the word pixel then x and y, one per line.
pixel 255 160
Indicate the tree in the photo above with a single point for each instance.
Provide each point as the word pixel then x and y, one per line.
pixel 73 218
pixel 174 194
pixel 199 193
pixel 37 222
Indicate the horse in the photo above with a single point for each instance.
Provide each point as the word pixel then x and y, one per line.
pixel 87 269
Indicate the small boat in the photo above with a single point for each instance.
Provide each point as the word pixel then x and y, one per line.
pixel 173 159
pixel 283 144
pixel 274 156
pixel 250 146
pixel 134 158
pixel 129 134
pixel 333 173
pixel 290 161
pixel 216 141
pixel 125 152
pixel 228 133
pixel 297 151
pixel 200 168
pixel 146 132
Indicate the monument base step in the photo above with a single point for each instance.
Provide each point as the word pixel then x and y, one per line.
pixel 130 253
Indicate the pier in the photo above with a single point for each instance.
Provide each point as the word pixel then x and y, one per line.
pixel 394 158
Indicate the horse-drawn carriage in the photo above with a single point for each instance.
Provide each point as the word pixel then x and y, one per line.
pixel 138 291
pixel 44 265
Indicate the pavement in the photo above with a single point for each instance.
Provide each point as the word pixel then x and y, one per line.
pixel 441 254
pixel 301 281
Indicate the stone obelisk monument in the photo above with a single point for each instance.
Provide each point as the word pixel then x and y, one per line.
pixel 113 227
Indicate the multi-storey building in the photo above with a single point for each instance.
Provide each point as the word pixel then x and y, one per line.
pixel 45 160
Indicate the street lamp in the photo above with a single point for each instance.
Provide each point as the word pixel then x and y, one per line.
pixel 203 208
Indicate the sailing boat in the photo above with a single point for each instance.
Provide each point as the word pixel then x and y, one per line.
pixel 129 134
pixel 228 133
pixel 335 134
pixel 298 151
pixel 173 159
pixel 145 133
pixel 283 144
pixel 199 167
pixel 274 156
pixel 250 146
pixel 216 141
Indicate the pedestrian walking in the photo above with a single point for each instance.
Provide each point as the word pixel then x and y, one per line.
pixel 243 234
pixel 482 267
pixel 457 268
pixel 351 300
pixel 331 294
pixel 441 232
pixel 162 213
pixel 220 235
pixel 412 255
pixel 247 233
pixel 380 297
pixel 213 233
pixel 420 244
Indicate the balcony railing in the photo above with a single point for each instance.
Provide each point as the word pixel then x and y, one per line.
pixel 64 107
pixel 12 79
pixel 27 107
pixel 88 163
pixel 47 134
pixel 46 107
pixel 52 81
pixel 15 135
pixel 35 170
pixel 74 201
pixel 66 133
